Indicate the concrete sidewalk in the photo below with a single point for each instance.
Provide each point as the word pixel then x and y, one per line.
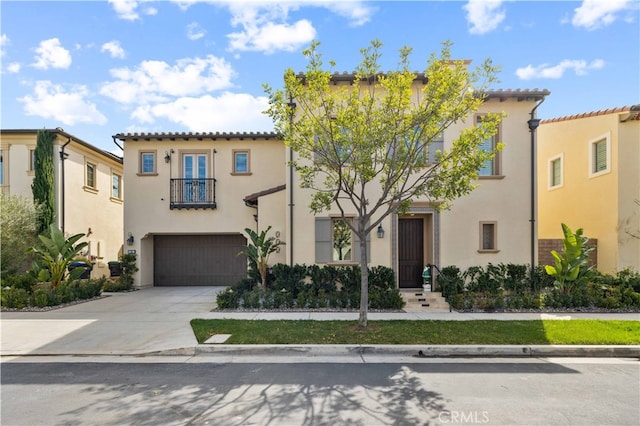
pixel 155 321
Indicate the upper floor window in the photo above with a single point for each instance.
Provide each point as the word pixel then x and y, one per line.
pixel 492 166
pixel 241 162
pixel 556 171
pixel 599 156
pixel 116 186
pixel 435 148
pixel 194 166
pixel 148 163
pixel 91 175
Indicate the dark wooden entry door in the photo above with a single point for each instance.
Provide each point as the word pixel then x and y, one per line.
pixel 410 252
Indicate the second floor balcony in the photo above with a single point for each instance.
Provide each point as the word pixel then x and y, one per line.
pixel 193 194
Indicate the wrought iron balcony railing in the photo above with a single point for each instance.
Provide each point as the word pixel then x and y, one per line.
pixel 193 194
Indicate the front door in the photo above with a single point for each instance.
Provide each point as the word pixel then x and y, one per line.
pixel 410 252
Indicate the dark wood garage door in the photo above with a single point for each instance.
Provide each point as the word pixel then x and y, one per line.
pixel 198 260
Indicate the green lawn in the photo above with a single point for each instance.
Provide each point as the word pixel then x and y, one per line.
pixel 480 332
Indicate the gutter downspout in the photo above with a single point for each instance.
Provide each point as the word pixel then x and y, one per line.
pixel 63 156
pixel 533 125
pixel 292 106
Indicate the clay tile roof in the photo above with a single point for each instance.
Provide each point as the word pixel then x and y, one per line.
pixel 197 135
pixel 633 110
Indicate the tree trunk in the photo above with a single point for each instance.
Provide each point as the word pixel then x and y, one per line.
pixel 364 276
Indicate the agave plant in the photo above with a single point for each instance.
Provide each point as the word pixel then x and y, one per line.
pixel 55 255
pixel 571 265
pixel 259 250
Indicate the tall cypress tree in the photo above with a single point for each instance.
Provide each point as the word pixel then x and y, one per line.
pixel 43 182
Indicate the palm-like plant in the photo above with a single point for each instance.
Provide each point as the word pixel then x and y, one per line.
pixel 259 250
pixel 55 255
pixel 570 267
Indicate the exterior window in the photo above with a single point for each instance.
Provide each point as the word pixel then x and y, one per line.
pixel 241 162
pixel 488 234
pixel 116 181
pixel 147 163
pixel 91 175
pixel 555 172
pixel 1 168
pixel 435 148
pixel 194 184
pixel 341 240
pixel 491 167
pixel 599 155
pixel 32 160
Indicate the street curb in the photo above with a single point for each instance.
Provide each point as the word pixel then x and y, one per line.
pixel 416 351
pixel 434 351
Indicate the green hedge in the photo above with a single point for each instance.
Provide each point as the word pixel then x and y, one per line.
pixel 513 287
pixel 313 287
pixel 42 294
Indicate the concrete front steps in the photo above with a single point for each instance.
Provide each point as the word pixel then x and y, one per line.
pixel 425 301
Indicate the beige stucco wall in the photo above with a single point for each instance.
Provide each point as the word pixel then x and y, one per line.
pixel 601 204
pixel 505 200
pixel 147 212
pixel 84 208
pixel 271 212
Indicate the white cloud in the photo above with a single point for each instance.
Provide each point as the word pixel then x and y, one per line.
pixel 580 67
pixel 228 112
pixel 4 41
pixel 157 81
pixel 484 15
pixel 114 49
pixel 66 106
pixel 358 13
pixel 194 31
pixel 594 14
pixel 265 28
pixel 264 24
pixel 128 9
pixel 51 54
pixel 14 67
pixel 271 37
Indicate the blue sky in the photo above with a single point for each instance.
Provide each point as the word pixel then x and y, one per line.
pixel 98 68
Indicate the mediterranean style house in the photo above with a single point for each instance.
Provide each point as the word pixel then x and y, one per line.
pixel 589 177
pixel 88 183
pixel 190 197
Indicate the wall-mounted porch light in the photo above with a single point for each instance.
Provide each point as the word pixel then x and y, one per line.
pixel 167 157
pixel 130 239
pixel 380 231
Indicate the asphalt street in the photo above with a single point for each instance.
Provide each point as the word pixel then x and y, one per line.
pixel 200 390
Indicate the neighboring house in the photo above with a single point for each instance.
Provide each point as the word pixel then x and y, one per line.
pixel 88 184
pixel 191 195
pixel 589 177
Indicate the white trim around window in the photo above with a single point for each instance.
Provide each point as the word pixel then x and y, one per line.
pixel 598 148
pixel 555 172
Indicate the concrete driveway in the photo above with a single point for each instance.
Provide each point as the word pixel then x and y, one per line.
pixel 138 322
